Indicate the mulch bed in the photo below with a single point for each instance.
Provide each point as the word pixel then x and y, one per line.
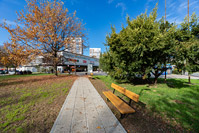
pixel 142 120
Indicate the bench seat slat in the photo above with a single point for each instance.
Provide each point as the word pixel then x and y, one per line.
pixel 118 103
pixel 132 95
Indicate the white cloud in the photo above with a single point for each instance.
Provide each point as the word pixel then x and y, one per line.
pixel 150 0
pixel 147 5
pixel 8 22
pixel 169 14
pixel 15 2
pixel 191 4
pixel 183 5
pixel 123 6
pixel 178 10
pixel 194 3
pixel 158 18
pixel 176 20
pixel 72 2
pixel 171 5
pixel 110 1
pixel 12 23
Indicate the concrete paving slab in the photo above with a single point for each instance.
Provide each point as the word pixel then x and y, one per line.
pixel 85 111
pixel 79 127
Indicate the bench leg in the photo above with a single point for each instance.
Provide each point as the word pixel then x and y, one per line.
pixel 122 116
pixel 108 100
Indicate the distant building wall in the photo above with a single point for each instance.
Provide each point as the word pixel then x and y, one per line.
pixel 95 52
pixel 75 46
pixel 70 59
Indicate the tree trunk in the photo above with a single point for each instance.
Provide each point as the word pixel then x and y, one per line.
pixel 15 70
pixel 189 79
pixel 165 72
pixel 7 70
pixel 155 80
pixel 55 63
pixel 56 70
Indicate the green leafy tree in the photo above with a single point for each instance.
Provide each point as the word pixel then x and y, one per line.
pixel 164 27
pixel 105 61
pixel 188 50
pixel 144 46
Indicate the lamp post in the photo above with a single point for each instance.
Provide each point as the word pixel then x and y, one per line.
pixel 188 11
pixel 165 11
pixel 189 35
pixel 165 75
pixel 74 60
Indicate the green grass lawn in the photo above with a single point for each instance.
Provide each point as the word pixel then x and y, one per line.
pixel 31 104
pixel 176 101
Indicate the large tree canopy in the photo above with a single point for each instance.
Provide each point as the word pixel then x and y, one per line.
pixel 188 53
pixel 145 46
pixel 46 27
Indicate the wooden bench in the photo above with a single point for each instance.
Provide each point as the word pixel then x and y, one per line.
pixel 90 76
pixel 121 105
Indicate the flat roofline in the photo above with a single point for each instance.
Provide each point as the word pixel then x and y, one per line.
pixel 79 54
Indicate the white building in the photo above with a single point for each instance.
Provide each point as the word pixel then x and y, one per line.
pixel 70 60
pixel 95 52
pixel 75 46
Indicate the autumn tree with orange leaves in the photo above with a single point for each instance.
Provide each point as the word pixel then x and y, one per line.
pixel 16 55
pixel 46 27
pixel 4 58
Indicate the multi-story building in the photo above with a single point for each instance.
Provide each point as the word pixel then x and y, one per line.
pixel 75 46
pixel 69 61
pixel 95 52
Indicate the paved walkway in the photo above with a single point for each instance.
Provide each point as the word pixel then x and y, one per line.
pixel 175 76
pixel 85 111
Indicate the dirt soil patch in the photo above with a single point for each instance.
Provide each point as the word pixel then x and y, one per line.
pixel 31 104
pixel 142 120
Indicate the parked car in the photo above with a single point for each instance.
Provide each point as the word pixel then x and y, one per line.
pixel 12 72
pixel 29 72
pixel 24 72
pixel 20 73
pixel 2 72
pixel 6 71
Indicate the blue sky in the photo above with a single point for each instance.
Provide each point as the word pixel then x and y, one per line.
pixel 99 15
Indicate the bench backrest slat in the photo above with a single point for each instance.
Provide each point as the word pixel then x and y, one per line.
pixel 131 95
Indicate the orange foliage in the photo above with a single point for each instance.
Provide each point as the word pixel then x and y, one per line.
pixel 46 28
pixel 16 55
